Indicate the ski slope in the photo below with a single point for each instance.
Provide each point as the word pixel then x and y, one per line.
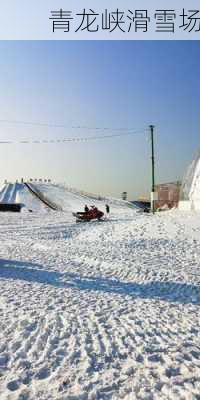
pixel 73 200
pixel 68 200
pixel 18 193
pixel 9 192
pixel 102 310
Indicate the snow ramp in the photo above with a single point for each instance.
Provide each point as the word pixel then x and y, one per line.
pixel 71 200
pixel 12 193
pixel 9 192
pixel 44 199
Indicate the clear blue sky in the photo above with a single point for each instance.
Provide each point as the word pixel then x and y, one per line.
pixel 100 84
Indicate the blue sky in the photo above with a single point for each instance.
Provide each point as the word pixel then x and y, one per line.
pixel 100 84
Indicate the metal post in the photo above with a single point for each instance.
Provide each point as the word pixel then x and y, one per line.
pixel 153 170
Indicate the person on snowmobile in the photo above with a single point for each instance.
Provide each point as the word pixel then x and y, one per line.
pixel 93 211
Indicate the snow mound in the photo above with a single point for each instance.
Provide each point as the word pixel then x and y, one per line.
pixel 19 193
pixel 72 199
pixel 69 200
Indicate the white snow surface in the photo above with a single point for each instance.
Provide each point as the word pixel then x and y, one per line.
pixel 18 193
pixel 191 181
pixel 99 310
pixel 195 186
pixel 68 199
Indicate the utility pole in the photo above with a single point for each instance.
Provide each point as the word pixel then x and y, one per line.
pixel 153 169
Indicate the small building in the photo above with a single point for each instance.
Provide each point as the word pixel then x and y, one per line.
pixel 168 194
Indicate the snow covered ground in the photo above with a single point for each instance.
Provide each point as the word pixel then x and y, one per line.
pixel 100 310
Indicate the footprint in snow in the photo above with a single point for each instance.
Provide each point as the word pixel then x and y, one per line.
pixel 13 385
pixel 43 373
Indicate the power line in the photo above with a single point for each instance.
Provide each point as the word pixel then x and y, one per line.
pixel 73 139
pixel 17 122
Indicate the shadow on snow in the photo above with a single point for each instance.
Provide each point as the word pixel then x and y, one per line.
pixel 34 273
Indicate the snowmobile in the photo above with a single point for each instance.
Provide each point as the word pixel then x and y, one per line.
pixel 87 216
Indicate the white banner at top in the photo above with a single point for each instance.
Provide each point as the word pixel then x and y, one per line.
pixel 99 20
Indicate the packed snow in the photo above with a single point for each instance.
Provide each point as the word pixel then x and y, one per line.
pixel 195 187
pixel 191 181
pixel 99 310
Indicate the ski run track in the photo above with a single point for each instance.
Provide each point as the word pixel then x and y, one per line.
pixel 98 311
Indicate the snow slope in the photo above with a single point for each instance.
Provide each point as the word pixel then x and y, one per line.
pixel 98 311
pixel 74 200
pixel 8 193
pixel 18 193
pixel 69 200
pixel 190 192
